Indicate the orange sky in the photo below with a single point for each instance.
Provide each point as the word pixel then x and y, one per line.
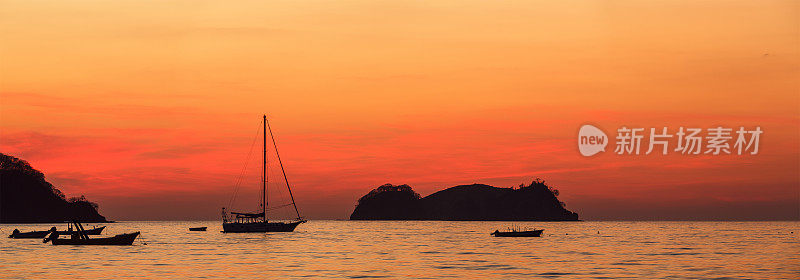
pixel 149 107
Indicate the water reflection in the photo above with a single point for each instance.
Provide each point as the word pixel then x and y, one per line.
pixel 422 249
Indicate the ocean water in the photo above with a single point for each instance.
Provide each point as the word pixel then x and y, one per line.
pixel 421 250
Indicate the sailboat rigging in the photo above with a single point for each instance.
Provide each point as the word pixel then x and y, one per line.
pixel 258 222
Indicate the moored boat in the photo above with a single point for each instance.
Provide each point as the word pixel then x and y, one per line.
pixel 31 234
pixel 79 237
pixel 518 233
pixel 197 228
pixel 94 231
pixel 42 233
pixel 258 222
pixel 242 223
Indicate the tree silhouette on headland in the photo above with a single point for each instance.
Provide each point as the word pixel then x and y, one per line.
pixel 536 201
pixel 26 197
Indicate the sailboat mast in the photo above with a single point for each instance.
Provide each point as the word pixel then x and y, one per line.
pixel 278 155
pixel 264 172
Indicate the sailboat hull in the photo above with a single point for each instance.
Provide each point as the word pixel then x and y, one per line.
pixel 261 226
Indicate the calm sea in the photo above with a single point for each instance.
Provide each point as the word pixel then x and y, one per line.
pixel 422 250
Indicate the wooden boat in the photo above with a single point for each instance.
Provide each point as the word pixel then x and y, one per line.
pixel 258 222
pixel 94 231
pixel 197 228
pixel 31 234
pixel 42 233
pixel 518 233
pixel 79 237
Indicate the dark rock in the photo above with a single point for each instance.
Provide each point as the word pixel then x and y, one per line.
pixel 26 197
pixel 477 202
pixel 388 202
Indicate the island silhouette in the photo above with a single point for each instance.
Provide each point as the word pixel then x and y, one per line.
pixel 26 197
pixel 477 202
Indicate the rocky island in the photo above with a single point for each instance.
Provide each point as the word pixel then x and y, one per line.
pixel 26 197
pixel 477 202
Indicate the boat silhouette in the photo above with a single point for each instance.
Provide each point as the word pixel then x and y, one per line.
pixel 42 233
pixel 258 222
pixel 80 237
pixel 516 232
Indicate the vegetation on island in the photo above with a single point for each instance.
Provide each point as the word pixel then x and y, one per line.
pixel 536 201
pixel 26 197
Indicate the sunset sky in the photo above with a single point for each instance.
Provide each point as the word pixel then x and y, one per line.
pixel 150 107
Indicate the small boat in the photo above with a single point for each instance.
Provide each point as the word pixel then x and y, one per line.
pixel 518 233
pixel 79 237
pixel 258 222
pixel 42 233
pixel 94 231
pixel 197 228
pixel 31 234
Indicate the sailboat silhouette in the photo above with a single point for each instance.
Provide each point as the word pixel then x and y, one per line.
pixel 258 222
